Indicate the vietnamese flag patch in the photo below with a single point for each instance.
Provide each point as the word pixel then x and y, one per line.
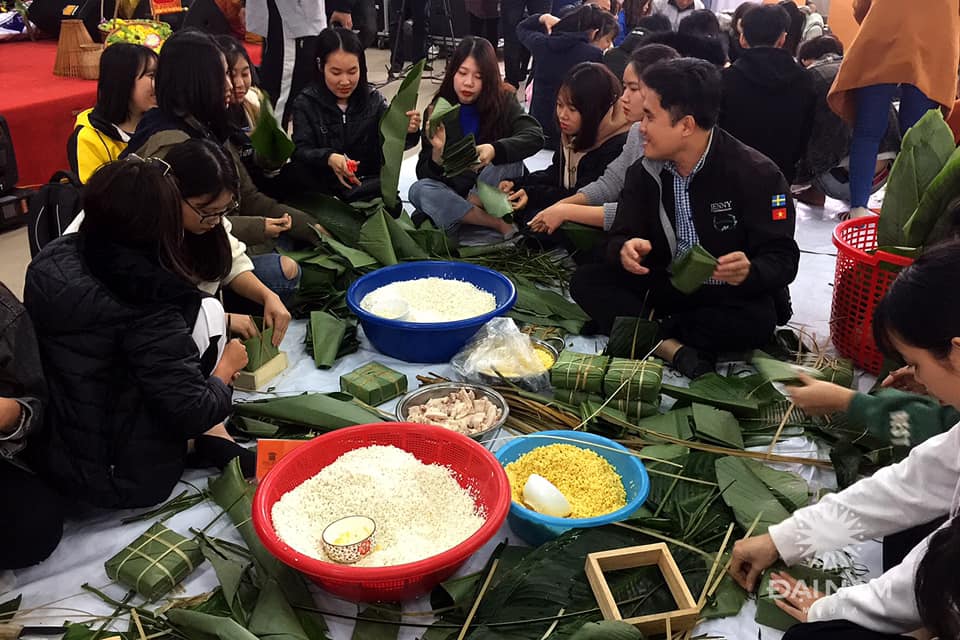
pixel 780 214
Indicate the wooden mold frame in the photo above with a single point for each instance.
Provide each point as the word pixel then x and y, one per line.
pixel 683 618
pixel 255 380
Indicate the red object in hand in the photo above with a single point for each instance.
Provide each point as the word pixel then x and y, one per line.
pixel 353 165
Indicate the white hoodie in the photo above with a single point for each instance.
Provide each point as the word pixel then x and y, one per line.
pixel 924 486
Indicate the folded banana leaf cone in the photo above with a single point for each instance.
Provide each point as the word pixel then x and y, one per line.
pixel 692 269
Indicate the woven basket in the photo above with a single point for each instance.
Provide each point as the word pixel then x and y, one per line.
pixel 73 35
pixel 90 61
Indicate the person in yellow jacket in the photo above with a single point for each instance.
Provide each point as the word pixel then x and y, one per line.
pixel 124 93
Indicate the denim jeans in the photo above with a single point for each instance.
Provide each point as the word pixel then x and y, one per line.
pixel 515 55
pixel 267 268
pixel 873 108
pixel 445 206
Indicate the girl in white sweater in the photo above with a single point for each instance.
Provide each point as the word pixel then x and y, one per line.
pixel 914 320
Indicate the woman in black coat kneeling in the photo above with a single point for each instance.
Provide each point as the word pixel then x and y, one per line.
pixel 135 354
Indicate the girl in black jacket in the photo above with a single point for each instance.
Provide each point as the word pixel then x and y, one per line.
pixel 130 346
pixel 505 136
pixel 336 123
pixel 557 46
pixel 593 129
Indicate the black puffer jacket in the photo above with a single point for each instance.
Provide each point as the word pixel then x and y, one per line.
pixel 124 376
pixel 321 128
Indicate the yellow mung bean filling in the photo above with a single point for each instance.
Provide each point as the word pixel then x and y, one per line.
pixel 589 483
pixel 545 357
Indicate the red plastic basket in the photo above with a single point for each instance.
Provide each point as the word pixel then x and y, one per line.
pixel 861 280
pixel 476 470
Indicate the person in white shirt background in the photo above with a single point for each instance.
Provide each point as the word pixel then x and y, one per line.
pixel 919 319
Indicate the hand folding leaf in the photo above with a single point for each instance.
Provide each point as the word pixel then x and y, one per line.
pixel 270 142
pixel 692 269
pixel 442 109
pixel 494 201
pixel 460 156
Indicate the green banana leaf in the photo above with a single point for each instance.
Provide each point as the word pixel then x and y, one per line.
pixel 368 630
pixel 384 239
pixel 460 156
pixel 791 490
pixel 235 496
pixel 717 426
pixel 926 148
pixel 769 614
pixel 326 336
pixel 536 305
pixel 336 216
pixel 260 349
pixel 581 236
pixel 441 110
pixel 607 630
pixel 313 411
pixel 9 608
pixel 393 133
pixel 692 269
pixel 551 578
pixel 675 424
pixel 203 626
pixel 358 259
pixel 731 394
pixel 230 567
pixel 632 338
pixel 274 617
pixel 494 201
pixel 930 224
pixel 270 142
pixel 748 495
pixel 727 600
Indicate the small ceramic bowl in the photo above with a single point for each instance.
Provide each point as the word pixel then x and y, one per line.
pixel 361 539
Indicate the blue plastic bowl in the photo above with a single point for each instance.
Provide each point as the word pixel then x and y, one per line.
pixel 427 342
pixel 537 528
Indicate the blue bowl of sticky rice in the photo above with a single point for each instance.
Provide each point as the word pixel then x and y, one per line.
pixel 428 310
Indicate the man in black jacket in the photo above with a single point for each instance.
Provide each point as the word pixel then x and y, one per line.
pixel 768 98
pixel 696 185
pixel 33 512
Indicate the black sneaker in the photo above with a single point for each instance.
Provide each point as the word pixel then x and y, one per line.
pixel 692 363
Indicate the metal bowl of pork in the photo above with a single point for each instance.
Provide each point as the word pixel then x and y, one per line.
pixel 426 393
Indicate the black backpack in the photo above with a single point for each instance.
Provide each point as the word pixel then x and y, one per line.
pixel 8 160
pixel 52 209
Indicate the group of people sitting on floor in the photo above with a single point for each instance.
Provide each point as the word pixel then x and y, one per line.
pixel 119 370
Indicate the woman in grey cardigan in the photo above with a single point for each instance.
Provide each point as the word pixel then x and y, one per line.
pixel 595 204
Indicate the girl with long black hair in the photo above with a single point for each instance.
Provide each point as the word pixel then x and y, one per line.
pixel 336 123
pixel 136 356
pixel 125 92
pixel 193 91
pixel 918 321
pixel 505 136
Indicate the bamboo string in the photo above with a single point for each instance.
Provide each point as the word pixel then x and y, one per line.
pixel 476 603
pixel 702 600
pixel 136 620
pixel 554 625
pixel 776 436
pixel 726 567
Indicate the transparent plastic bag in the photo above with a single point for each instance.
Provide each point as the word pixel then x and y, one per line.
pixel 500 350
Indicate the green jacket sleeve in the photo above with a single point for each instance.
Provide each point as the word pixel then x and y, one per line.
pixel 902 419
pixel 524 140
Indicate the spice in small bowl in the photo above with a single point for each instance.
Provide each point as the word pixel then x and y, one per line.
pixel 349 540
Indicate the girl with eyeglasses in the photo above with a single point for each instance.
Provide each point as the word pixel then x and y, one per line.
pixel 136 356
pixel 193 90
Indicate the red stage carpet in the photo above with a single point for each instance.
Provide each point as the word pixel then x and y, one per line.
pixel 41 107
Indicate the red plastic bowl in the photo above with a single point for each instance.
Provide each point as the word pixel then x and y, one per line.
pixel 475 468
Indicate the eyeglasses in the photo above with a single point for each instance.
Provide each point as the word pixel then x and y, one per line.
pixel 233 206
pixel 160 162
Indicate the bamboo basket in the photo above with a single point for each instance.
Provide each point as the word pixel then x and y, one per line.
pixel 73 35
pixel 90 61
